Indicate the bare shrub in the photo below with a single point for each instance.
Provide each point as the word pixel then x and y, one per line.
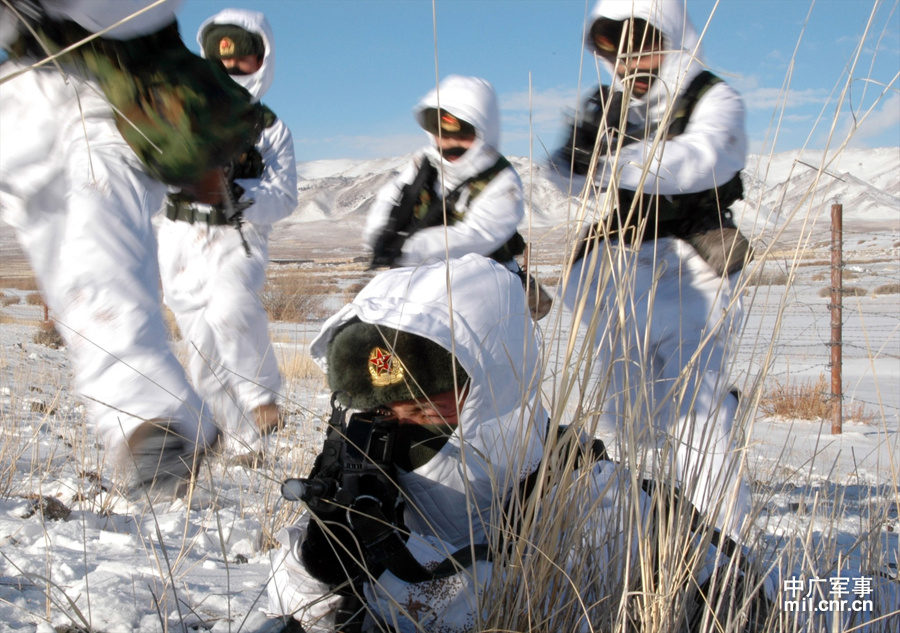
pixel 766 278
pixel 809 401
pixel 19 283
pixel 9 301
pixel 846 275
pixel 859 413
pixel 48 335
pixel 887 289
pixel 295 297
pixel 49 508
pixel 34 299
pixel 806 401
pixel 846 291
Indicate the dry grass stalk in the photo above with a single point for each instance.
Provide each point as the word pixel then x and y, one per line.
pixel 298 366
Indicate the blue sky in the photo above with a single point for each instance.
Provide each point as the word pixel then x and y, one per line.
pixel 350 71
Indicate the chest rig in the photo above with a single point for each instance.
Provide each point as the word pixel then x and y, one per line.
pixel 421 207
pixel 702 219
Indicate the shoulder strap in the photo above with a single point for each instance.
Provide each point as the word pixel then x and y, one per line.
pixel 678 214
pixel 479 181
pixel 404 220
pixel 684 107
pixel 476 184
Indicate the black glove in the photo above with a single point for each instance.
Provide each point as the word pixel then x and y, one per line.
pixel 331 553
pixel 387 250
pixel 248 165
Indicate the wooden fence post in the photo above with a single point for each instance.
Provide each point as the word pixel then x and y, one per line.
pixel 837 294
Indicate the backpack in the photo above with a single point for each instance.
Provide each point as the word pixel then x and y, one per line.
pixel 181 114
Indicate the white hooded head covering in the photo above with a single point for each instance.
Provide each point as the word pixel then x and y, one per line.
pixel 473 100
pixel 257 83
pixel 683 59
pixel 137 17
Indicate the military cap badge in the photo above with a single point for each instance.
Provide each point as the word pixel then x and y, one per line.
pixel 226 47
pixel 384 368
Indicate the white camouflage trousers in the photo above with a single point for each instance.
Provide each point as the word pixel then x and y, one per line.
pixel 661 323
pixel 212 286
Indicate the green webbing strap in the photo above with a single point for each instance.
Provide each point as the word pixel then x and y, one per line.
pixel 181 211
pixel 403 221
pixel 685 105
pixel 516 244
pixel 477 184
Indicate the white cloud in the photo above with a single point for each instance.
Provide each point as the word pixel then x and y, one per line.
pixel 770 98
pixel 543 108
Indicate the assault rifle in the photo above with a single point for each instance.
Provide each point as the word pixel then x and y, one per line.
pixel 356 461
pixel 352 496
pixel 356 530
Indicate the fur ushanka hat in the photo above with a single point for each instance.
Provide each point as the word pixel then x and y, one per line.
pixel 370 366
pixel 221 41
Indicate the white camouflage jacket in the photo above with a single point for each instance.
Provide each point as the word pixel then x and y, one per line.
pixel 493 216
pixel 490 331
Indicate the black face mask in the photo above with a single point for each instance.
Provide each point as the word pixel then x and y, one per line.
pixel 453 152
pixel 234 70
pixel 416 444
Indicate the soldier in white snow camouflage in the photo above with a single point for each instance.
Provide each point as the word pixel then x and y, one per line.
pixel 213 264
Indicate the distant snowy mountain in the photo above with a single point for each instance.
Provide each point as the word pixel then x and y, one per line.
pixel 797 186
pixel 331 189
pixel 779 188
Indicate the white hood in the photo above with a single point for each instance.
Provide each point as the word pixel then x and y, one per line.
pixel 259 82
pixel 502 421
pixel 473 100
pixel 683 60
pixel 96 15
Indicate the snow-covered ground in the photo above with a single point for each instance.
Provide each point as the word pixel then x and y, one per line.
pixel 74 552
